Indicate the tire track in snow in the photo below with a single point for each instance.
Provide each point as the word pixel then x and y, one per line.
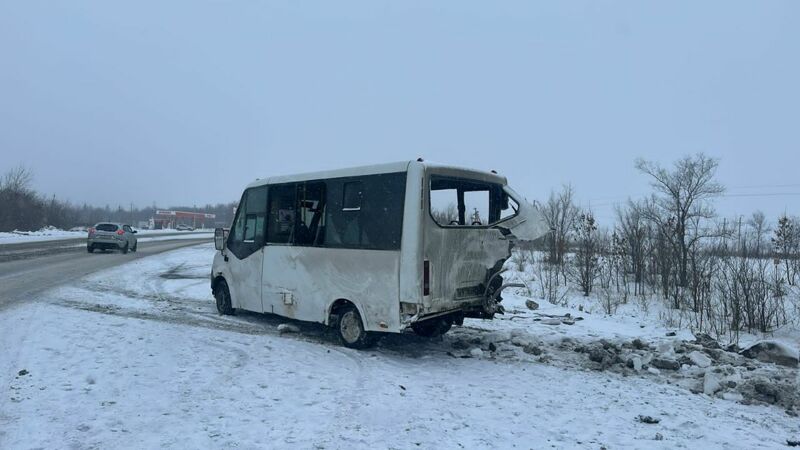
pixel 350 400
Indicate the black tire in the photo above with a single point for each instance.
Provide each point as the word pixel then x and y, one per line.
pixel 90 248
pixel 124 250
pixel 433 327
pixel 350 329
pixel 223 297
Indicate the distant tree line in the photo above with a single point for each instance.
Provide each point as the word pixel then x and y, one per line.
pixel 22 208
pixel 713 274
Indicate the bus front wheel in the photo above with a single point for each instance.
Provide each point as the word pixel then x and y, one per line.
pixel 223 297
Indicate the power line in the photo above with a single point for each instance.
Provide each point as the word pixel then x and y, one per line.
pixel 764 194
pixel 761 186
pixel 752 186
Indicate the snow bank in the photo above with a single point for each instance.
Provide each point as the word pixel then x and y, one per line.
pixel 45 234
pixel 55 234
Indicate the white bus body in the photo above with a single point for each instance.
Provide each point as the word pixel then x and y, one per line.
pixel 373 249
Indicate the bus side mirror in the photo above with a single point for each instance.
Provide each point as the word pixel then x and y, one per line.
pixel 219 238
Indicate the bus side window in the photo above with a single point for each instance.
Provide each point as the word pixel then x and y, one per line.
pixel 311 214
pixel 352 194
pixel 281 214
pixel 343 216
pixel 247 234
pixel 365 213
pixel 255 211
pixel 382 211
pixel 237 232
pixel 350 230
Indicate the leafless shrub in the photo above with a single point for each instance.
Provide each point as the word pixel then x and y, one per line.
pixel 521 259
pixel 610 299
pixel 547 281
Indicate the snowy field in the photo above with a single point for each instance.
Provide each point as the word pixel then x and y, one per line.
pixel 137 357
pixel 54 234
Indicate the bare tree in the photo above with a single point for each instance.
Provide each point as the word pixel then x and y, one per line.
pixel 759 228
pixel 17 180
pixel 559 212
pixel 786 245
pixel 20 206
pixel 682 203
pixel 663 256
pixel 586 261
pixel 632 228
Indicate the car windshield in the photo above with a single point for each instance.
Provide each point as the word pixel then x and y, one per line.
pixel 106 227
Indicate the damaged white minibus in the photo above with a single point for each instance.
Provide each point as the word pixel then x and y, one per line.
pixel 381 248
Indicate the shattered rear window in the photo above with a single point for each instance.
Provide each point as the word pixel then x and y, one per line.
pixel 458 202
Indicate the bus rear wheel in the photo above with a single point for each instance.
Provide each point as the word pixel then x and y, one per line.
pixel 351 330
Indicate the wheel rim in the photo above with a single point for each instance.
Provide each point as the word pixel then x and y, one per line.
pixel 350 327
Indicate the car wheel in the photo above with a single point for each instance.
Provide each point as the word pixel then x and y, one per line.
pixel 125 249
pixel 90 248
pixel 351 329
pixel 223 297
pixel 432 327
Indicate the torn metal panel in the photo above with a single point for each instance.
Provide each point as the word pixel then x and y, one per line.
pixel 528 224
pixel 462 259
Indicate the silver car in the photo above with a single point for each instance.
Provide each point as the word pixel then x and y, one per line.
pixel 111 236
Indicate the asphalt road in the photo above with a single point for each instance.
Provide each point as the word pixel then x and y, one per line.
pixel 31 249
pixel 23 280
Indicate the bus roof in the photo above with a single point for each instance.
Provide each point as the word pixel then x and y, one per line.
pixel 394 167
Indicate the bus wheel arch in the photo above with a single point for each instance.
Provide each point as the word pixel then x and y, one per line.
pixel 347 319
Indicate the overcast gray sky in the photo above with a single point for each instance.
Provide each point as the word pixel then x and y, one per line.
pixel 185 102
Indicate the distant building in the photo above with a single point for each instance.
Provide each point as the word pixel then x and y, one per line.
pixel 171 219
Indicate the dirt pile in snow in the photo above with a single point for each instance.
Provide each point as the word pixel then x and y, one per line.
pixel 762 374
pixel 772 352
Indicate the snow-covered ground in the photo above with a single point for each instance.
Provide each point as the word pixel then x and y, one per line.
pixel 137 357
pixel 54 234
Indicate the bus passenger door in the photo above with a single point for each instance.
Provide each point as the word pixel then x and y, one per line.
pixel 246 250
pixel 294 224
